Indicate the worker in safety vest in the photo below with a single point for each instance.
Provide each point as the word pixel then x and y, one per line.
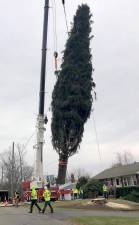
pixel 75 192
pixel 105 191
pixel 34 199
pixel 47 198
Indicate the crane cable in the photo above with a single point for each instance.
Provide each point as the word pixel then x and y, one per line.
pixel 55 34
pixel 28 140
pixel 55 31
pixel 54 24
pixel 63 2
pixel 98 144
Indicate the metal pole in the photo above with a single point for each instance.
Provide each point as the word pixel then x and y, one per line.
pixel 12 172
pixel 43 61
pixel 40 118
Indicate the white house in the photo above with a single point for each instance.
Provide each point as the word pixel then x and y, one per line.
pixel 121 175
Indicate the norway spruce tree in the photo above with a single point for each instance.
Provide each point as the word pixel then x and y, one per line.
pixel 71 98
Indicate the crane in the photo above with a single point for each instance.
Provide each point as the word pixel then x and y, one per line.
pixel 41 118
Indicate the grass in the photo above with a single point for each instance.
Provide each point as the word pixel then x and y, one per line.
pixel 87 220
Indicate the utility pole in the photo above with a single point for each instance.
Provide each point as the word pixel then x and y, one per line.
pixel 12 172
pixel 41 119
pixel 20 152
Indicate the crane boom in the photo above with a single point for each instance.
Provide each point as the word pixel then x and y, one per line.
pixel 41 117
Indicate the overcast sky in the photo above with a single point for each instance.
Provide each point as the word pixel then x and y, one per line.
pixel 115 50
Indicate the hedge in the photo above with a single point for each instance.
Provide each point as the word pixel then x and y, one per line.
pixel 124 191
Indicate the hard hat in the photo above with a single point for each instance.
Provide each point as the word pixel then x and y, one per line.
pixel 45 187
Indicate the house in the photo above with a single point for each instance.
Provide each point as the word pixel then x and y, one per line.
pixel 121 176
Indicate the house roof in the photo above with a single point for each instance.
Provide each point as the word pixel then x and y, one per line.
pixel 123 170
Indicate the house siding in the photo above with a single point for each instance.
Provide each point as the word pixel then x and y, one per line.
pixel 124 181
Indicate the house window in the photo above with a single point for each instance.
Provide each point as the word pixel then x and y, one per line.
pixel 125 181
pixel 134 180
pixel 129 181
pixel 117 182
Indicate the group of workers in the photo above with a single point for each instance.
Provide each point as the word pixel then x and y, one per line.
pixel 47 196
pixel 75 194
pixel 34 198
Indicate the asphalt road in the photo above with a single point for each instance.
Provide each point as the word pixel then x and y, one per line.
pixel 20 216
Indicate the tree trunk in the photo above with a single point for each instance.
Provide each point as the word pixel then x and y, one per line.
pixel 62 169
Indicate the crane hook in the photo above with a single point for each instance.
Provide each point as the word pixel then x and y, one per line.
pixel 55 56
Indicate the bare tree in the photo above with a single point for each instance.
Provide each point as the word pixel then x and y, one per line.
pixel 78 172
pixel 14 169
pixel 27 172
pixel 21 154
pixel 124 158
pixel 128 158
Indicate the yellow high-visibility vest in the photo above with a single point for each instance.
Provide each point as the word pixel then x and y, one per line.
pixel 33 194
pixel 105 188
pixel 47 195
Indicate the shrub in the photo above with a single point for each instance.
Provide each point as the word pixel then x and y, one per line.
pixel 82 181
pixel 133 196
pixel 126 191
pixel 92 189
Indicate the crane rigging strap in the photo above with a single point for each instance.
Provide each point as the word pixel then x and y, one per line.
pixel 63 162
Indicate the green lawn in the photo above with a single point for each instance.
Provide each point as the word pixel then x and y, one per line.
pixel 105 221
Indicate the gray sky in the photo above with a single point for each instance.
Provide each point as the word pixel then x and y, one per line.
pixel 115 50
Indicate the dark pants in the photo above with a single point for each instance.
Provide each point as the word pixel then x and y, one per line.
pixel 34 202
pixel 45 205
pixel 17 201
pixel 75 195
pixel 106 195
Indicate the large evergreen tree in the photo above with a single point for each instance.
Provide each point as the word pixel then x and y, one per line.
pixel 71 98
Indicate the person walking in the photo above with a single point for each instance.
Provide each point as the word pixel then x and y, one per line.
pixel 16 196
pixel 105 191
pixel 34 200
pixel 47 198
